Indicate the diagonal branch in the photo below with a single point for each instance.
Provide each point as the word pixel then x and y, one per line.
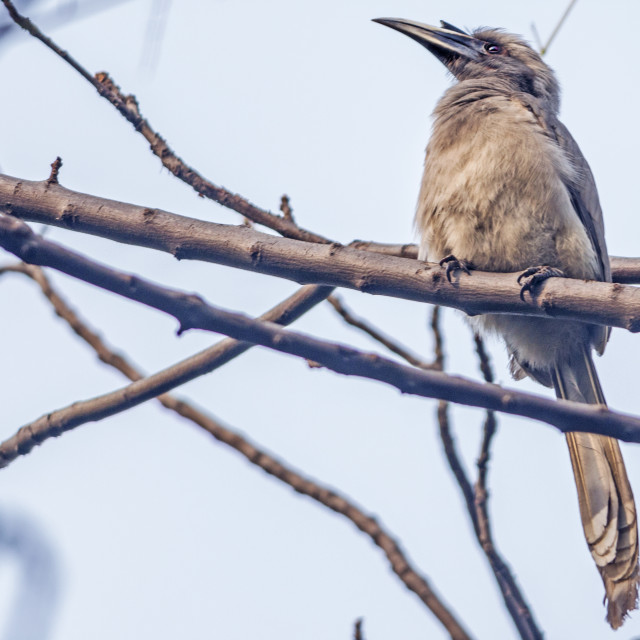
pixel 446 435
pixel 143 389
pixel 400 563
pixel 556 30
pixel 128 107
pixel 304 262
pixel 476 499
pixel 192 312
pixel 378 336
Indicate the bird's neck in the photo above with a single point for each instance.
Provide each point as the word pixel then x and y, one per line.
pixel 492 91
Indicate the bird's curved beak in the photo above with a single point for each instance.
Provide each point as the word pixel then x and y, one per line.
pixel 446 42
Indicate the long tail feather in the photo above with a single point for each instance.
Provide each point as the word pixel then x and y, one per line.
pixel 606 501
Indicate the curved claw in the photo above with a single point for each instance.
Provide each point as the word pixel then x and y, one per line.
pixel 533 276
pixel 454 264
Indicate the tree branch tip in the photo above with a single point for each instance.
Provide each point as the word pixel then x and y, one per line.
pixel 285 207
pixel 55 170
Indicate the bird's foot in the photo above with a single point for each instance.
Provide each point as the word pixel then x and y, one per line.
pixel 533 276
pixel 451 263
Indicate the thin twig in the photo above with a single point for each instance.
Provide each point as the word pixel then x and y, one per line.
pixel 357 630
pixel 377 335
pixel 192 312
pixel 515 600
pixel 476 499
pixel 489 429
pixel 481 492
pixel 453 459
pixel 483 358
pixel 400 563
pixel 128 107
pixel 554 33
pixel 446 436
pixel 438 344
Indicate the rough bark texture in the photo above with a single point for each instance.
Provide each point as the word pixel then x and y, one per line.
pixel 309 263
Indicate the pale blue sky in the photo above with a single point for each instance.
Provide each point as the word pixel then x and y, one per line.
pixel 159 531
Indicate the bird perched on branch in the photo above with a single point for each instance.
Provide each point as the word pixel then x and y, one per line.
pixel 506 188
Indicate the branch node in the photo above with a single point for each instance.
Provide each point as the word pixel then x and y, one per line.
pixel 148 215
pixel 69 217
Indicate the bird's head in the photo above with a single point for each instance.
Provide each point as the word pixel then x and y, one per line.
pixel 483 54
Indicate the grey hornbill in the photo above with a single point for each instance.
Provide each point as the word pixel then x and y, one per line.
pixel 505 187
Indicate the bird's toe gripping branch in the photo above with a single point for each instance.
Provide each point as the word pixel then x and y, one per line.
pixel 451 263
pixel 534 276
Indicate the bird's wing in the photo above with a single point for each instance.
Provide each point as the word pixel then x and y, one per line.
pixel 584 197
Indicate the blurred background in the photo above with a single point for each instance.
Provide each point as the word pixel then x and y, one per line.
pixel 141 525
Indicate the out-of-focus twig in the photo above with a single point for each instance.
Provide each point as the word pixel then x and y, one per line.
pixel 369 525
pixel 536 36
pixel 357 630
pixel 154 36
pixel 545 47
pixel 370 330
pixel 32 614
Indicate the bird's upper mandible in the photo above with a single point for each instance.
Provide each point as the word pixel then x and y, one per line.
pixel 489 54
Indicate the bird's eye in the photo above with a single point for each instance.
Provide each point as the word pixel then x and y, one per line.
pixel 492 48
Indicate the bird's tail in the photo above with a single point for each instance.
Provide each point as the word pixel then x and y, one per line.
pixel 607 507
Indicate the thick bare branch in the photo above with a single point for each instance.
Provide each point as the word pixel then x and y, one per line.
pixel 307 263
pixel 623 270
pixel 192 312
